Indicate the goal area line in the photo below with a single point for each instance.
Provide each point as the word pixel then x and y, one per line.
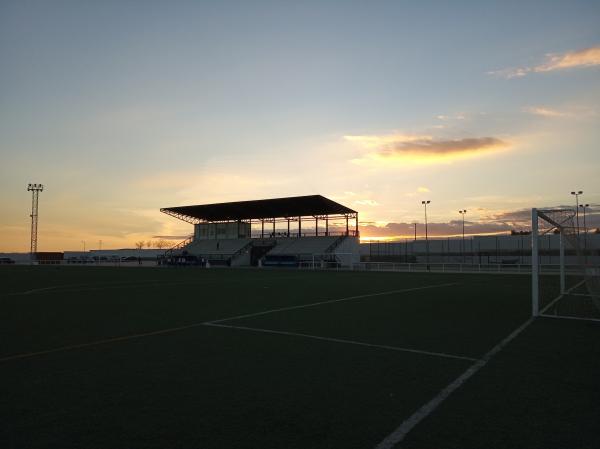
pixel 332 301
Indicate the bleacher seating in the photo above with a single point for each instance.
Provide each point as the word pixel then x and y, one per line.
pixel 222 247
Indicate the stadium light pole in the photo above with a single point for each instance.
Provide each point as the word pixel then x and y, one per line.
pixel 463 213
pixel 577 193
pixel 425 203
pixel 584 207
pixel 83 241
pixel 35 190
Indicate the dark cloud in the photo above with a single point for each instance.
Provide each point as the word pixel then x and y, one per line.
pixel 513 217
pixel 171 237
pixel 443 147
pixel 504 222
pixel 434 229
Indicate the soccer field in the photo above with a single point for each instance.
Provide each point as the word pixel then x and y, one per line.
pixel 222 358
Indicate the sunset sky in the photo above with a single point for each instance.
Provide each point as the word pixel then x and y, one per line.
pixel 122 107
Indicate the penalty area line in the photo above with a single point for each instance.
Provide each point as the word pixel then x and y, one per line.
pixel 331 301
pixel 189 326
pixel 98 342
pixel 343 341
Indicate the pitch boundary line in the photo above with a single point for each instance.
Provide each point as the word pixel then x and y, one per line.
pixel 426 409
pixel 76 288
pixel 330 301
pixel 344 341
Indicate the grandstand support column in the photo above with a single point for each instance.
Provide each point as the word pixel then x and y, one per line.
pixel 347 229
pixel 327 225
pixel 356 234
pixel 273 227
pixel 316 226
pixel 262 228
pixel 299 226
pixel 288 233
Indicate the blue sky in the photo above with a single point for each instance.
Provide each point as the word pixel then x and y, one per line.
pixel 121 108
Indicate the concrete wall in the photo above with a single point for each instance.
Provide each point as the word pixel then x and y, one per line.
pixel 481 249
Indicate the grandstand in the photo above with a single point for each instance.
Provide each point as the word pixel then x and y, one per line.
pixel 272 232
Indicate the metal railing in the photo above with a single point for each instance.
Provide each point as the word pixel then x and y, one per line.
pixel 180 245
pixel 461 268
pixel 292 234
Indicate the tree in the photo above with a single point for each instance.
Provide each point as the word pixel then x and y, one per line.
pixel 140 244
pixel 160 244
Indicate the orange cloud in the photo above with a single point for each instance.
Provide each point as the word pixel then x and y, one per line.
pixel 587 57
pixel 425 149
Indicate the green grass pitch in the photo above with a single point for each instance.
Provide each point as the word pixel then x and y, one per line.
pixel 94 357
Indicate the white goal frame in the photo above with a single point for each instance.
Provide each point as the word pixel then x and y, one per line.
pixel 536 214
pixel 588 273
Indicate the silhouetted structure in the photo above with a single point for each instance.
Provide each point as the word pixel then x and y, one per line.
pixel 234 233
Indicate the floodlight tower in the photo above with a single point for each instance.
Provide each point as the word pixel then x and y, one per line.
pixel 463 212
pixel 35 190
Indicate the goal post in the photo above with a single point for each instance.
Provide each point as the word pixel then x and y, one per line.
pixel 571 289
pixel 535 264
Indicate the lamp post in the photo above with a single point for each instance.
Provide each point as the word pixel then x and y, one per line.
pixel 425 203
pixel 577 193
pixel 83 242
pixel 463 212
pixel 584 207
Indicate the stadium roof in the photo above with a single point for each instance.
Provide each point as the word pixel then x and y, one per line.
pixel 296 206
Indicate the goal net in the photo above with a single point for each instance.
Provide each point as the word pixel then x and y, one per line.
pixel 571 288
pixel 320 261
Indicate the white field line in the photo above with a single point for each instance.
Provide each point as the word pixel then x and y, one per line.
pixel 36 290
pixel 344 341
pixel 69 288
pixel 75 288
pixel 99 342
pixel 175 329
pixel 330 301
pixel 559 297
pixel 425 410
pixel 565 317
pixel 400 433
pixel 586 295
